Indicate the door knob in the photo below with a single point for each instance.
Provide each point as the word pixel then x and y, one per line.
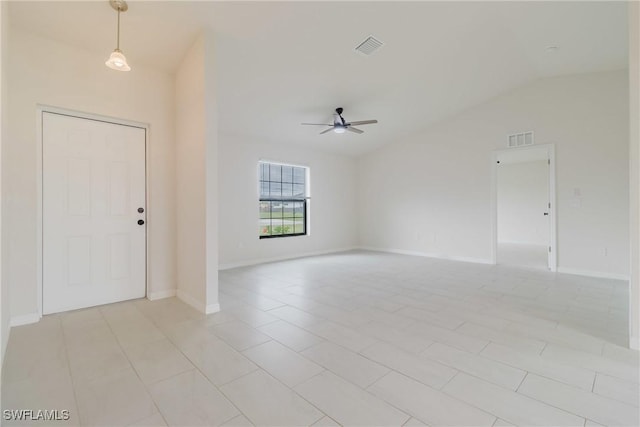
pixel 140 222
pixel 546 213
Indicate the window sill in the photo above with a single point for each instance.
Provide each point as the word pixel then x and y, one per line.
pixel 282 235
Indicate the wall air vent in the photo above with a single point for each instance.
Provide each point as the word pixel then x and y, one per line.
pixel 520 139
pixel 370 45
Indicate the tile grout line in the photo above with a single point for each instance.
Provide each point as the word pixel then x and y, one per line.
pixel 522 381
pixel 339 376
pixel 511 391
pixel 431 387
pixel 195 367
pixel 73 382
pixel 557 407
pixel 543 348
pixel 298 327
pixel 219 388
pixel 283 384
pixel 131 364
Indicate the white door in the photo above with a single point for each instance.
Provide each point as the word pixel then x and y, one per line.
pixel 550 255
pixel 93 207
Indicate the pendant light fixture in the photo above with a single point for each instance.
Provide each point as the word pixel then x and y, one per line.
pixel 117 60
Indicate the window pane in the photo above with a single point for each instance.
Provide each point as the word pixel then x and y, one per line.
pixel 275 189
pixel 264 171
pixel 298 190
pixel 287 226
pixel 276 211
pixel 298 226
pixel 275 173
pixel 265 218
pixel 299 210
pixel 287 190
pixel 299 175
pixel 264 189
pixel 276 227
pixel 287 174
pixel 287 210
pixel 265 210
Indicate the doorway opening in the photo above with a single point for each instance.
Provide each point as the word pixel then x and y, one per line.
pixel 524 207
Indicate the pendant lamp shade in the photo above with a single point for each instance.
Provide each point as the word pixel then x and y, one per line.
pixel 117 61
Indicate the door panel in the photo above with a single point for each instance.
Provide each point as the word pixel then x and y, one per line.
pixel 94 251
pixel 550 214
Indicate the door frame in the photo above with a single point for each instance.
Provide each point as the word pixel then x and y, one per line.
pixel 40 110
pixel 553 242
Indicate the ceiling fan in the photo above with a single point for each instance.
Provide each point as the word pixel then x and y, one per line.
pixel 340 125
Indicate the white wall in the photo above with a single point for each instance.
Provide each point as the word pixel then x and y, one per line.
pixel 332 210
pixel 5 309
pixel 523 194
pixel 43 71
pixel 430 193
pixel 211 176
pixel 196 174
pixel 190 171
pixel 634 155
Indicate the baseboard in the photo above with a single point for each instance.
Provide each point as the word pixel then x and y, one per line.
pixel 190 300
pixel 195 303
pixel 212 308
pixel 152 296
pixel 230 265
pixel 428 255
pixel 597 274
pixel 24 319
pixel 5 341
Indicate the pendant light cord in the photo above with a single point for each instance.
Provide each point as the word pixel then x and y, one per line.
pixel 118 37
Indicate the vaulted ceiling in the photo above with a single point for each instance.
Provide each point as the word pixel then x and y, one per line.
pixel 283 63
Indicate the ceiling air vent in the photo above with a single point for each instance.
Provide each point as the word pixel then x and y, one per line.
pixel 370 45
pixel 520 139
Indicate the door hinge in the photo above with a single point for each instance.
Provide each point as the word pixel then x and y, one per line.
pixel 549 205
pixel 549 162
pixel 549 249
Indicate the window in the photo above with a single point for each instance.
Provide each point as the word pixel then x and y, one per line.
pixel 283 200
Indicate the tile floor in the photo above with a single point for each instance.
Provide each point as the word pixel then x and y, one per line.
pixel 358 338
pixel 523 255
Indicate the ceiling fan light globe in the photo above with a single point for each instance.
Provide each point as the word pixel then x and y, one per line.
pixel 339 129
pixel 117 61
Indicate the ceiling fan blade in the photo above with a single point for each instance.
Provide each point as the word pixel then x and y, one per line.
pixel 364 122
pixel 315 124
pixel 328 130
pixel 354 130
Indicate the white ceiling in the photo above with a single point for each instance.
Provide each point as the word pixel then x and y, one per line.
pixel 283 63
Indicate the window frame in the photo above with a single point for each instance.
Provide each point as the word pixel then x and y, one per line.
pixel 305 200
